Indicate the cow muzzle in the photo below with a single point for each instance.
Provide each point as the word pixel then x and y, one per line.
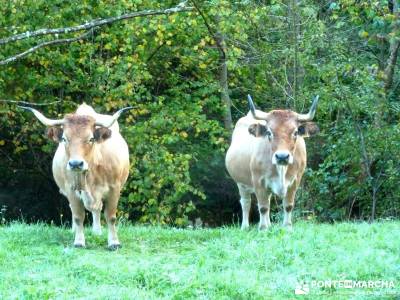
pixel 77 165
pixel 282 158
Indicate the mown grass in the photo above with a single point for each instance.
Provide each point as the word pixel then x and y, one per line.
pixel 39 262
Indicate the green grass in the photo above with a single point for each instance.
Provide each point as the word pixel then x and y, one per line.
pixel 39 262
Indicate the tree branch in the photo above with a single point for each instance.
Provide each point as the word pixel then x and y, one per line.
pixel 35 48
pixel 223 74
pixel 29 103
pixel 215 35
pixel 96 23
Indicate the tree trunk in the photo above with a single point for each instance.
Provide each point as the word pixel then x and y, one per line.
pixel 373 209
pixel 390 66
pixel 296 31
pixel 293 38
pixel 223 82
pixel 223 69
pixel 393 49
pixel 366 163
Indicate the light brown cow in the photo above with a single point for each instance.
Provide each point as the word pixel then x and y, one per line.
pixel 268 155
pixel 90 166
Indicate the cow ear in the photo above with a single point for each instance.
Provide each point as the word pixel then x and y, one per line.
pixel 258 130
pixel 101 134
pixel 55 133
pixel 308 129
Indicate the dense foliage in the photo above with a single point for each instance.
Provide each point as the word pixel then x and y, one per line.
pixel 168 68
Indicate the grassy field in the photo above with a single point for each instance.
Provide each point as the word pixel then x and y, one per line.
pixel 39 262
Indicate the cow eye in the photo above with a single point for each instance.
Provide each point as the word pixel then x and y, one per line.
pixel 269 134
pixel 91 140
pixel 295 134
pixel 64 140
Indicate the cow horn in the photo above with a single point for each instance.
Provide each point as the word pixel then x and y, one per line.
pixel 258 115
pixel 311 113
pixel 108 123
pixel 42 118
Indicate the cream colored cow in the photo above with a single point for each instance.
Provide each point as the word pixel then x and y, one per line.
pixel 90 166
pixel 268 155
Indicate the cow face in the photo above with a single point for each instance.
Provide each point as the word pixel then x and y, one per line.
pixel 79 135
pixel 281 130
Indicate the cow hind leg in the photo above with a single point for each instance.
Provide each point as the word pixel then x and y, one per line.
pixel 245 202
pixel 73 223
pixel 78 217
pixel 110 213
pixel 96 222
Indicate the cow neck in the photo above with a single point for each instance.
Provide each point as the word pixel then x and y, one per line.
pixel 82 180
pixel 79 181
pixel 280 187
pixel 282 170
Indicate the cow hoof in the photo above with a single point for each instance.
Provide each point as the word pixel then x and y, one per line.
pixel 263 227
pixel 97 231
pixel 79 245
pixel 245 227
pixel 288 227
pixel 114 247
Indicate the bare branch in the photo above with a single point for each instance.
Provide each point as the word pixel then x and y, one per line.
pixel 29 103
pixel 96 23
pixel 35 48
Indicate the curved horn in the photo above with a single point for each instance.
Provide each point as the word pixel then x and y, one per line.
pixel 108 123
pixel 311 113
pixel 42 118
pixel 258 115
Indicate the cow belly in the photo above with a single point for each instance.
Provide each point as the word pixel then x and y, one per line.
pixel 90 202
pixel 238 166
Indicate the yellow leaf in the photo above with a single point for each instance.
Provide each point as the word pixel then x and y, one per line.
pixel 2 142
pixel 364 34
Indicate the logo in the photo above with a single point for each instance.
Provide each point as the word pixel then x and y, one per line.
pixel 302 288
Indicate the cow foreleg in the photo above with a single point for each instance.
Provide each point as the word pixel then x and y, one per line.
pixel 110 213
pixel 78 217
pixel 263 199
pixel 245 202
pixel 288 205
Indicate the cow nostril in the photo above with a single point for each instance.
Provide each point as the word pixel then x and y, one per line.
pixel 282 156
pixel 75 164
